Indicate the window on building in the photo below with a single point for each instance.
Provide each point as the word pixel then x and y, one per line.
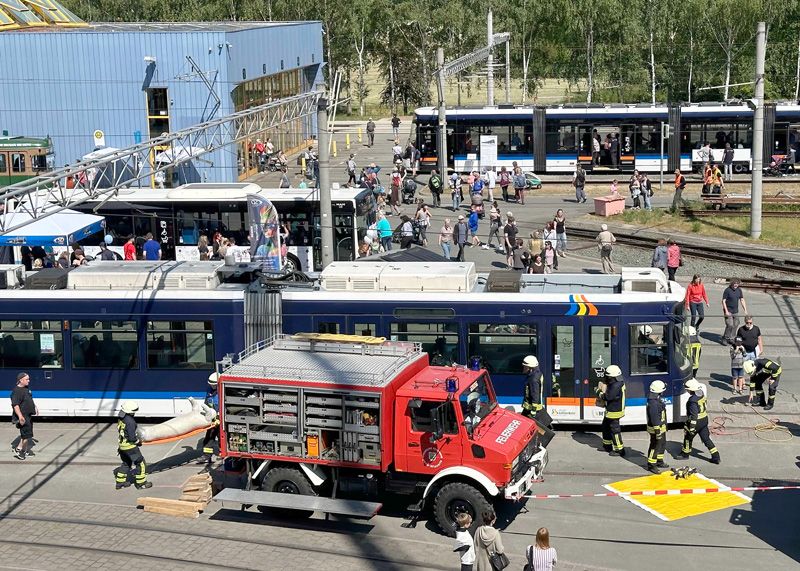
pixel 31 344
pixel 649 354
pixel 17 162
pixel 157 102
pixel 439 340
pixel 502 346
pixel 104 345
pixel 180 345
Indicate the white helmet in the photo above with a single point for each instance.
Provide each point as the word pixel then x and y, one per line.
pixel 692 331
pixel 213 379
pixel 129 407
pixel 749 366
pixel 530 361
pixel 613 371
pixel 645 330
pixel 692 385
pixel 472 397
pixel 657 387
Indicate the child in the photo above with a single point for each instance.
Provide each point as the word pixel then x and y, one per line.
pixel 737 365
pixel 464 543
pixel 614 190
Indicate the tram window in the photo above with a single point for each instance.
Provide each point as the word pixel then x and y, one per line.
pixel 692 137
pixel 180 345
pixel 599 352
pixel 31 344
pixel 104 345
pixel 365 329
pixel 426 139
pixel 17 162
pixel 647 139
pixel 328 327
pixel 681 350
pixel 503 346
pixel 561 137
pixel 439 340
pixel 3 163
pixel 648 342
pixel 39 162
pixel 779 142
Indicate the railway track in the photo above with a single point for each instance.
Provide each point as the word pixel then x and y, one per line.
pixel 689 213
pixel 761 259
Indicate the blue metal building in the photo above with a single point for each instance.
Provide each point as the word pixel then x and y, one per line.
pixel 134 81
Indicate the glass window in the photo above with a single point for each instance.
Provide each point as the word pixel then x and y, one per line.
pixel 3 163
pixel 422 417
pixel 426 141
pixel 157 102
pixel 561 137
pixel 648 348
pixel 365 329
pixel 38 162
pixel 563 361
pixel 17 162
pixel 647 139
pixel 328 327
pixel 31 344
pixel 439 340
pixel 104 345
pixel 503 346
pixel 600 353
pixel 180 345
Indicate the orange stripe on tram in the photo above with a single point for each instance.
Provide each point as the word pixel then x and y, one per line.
pixel 590 306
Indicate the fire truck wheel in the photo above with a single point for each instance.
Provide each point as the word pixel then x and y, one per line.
pixel 455 498
pixel 287 481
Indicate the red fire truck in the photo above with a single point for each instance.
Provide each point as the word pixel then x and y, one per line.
pixel 345 416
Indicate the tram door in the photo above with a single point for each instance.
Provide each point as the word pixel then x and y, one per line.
pixel 579 354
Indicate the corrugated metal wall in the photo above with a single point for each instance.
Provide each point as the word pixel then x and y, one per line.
pixel 67 84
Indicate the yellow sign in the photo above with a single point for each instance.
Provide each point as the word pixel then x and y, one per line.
pixel 675 505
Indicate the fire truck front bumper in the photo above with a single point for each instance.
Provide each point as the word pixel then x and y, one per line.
pixel 517 489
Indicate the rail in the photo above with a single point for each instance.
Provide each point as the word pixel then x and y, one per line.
pixel 691 213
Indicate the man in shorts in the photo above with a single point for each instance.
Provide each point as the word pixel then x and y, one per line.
pixel 22 411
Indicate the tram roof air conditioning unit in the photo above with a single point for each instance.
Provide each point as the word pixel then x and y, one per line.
pixel 191 275
pixel 400 276
pixel 12 276
pixel 116 275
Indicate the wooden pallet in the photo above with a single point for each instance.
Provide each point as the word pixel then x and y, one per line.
pixel 197 489
pixel 196 493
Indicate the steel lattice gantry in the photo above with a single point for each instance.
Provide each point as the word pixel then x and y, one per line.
pixel 44 195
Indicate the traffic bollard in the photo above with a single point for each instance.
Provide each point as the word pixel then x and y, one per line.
pixel 333 150
pixel 359 135
pixel 347 140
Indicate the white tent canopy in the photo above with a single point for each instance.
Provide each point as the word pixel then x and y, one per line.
pixel 59 229
pixel 179 154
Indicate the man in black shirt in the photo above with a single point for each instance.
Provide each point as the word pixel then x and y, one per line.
pixel 751 338
pixel 23 409
pixel 732 297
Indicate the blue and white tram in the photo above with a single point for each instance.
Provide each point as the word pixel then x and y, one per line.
pixel 151 334
pixel 556 138
pixel 575 324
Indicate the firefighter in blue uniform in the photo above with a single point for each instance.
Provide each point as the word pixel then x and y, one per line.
pixel 656 427
pixel 532 402
pixel 212 434
pixel 697 422
pixel 611 395
pixel 128 449
pixel 764 373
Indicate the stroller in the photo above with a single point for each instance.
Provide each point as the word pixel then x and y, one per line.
pixel 409 189
pixel 477 201
pixel 780 165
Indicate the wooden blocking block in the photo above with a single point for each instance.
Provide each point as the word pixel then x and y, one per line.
pixel 179 512
pixel 195 487
pixel 168 504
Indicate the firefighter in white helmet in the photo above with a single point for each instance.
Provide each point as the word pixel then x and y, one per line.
pixel 611 395
pixel 697 422
pixel 212 434
pixel 128 449
pixel 533 400
pixel 656 427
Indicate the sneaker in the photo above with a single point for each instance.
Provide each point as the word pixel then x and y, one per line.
pixel 144 485
pixel 19 454
pixel 30 453
pixel 485 246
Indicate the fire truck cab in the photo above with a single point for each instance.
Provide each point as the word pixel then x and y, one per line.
pixel 345 416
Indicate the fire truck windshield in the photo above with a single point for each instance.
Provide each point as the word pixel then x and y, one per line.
pixel 477 401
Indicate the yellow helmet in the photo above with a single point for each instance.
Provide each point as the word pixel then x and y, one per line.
pixel 749 367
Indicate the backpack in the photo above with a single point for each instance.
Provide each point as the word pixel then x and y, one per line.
pixel 435 183
pixel 505 179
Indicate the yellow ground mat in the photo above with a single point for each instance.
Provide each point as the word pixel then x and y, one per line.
pixel 673 499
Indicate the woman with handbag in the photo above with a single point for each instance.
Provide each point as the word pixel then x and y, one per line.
pixel 540 556
pixel 489 551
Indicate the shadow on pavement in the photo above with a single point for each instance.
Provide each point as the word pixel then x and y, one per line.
pixel 719 381
pixel 189 455
pixel 773 517
pixel 592 440
pixel 713 337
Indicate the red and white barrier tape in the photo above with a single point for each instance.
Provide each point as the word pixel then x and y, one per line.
pixel 663 492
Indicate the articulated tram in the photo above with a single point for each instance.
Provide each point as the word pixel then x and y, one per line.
pixel 153 331
pixel 555 139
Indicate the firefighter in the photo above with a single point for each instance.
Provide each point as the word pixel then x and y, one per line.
pixel 695 348
pixel 532 402
pixel 128 449
pixel 657 427
pixel 212 434
pixel 697 422
pixel 612 397
pixel 763 373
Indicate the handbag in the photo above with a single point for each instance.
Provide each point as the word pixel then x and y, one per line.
pixel 499 561
pixel 529 556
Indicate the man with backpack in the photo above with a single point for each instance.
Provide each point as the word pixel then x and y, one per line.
pixel 579 182
pixel 519 185
pixel 435 185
